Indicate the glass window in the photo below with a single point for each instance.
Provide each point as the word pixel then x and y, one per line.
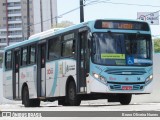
pixel 8 60
pixel 121 49
pixel 24 56
pixel 54 48
pixel 32 55
pixel 68 48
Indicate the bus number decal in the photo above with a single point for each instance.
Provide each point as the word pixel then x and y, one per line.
pixel 23 75
pixel 50 71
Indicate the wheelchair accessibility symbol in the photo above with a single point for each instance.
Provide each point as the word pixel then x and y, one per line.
pixel 130 60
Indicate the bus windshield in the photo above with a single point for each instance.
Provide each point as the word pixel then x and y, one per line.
pixel 121 49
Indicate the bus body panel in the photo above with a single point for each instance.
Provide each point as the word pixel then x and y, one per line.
pixel 28 75
pixel 102 88
pixel 57 73
pixel 67 68
pixel 8 85
pixel 52 84
pixel 125 82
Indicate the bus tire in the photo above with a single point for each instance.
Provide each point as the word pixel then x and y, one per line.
pixel 35 103
pixel 72 97
pixel 62 102
pixel 125 99
pixel 26 101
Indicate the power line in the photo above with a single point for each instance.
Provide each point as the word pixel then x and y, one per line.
pixel 54 17
pixel 106 1
pixel 92 2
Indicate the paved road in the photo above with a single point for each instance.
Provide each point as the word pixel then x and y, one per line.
pixel 97 105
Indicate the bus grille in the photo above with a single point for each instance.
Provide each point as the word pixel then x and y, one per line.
pixel 126 71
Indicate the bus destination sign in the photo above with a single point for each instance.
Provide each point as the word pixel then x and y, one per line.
pixel 127 25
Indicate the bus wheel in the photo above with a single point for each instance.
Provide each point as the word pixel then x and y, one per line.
pixel 125 99
pixel 62 102
pixel 72 97
pixel 26 101
pixel 35 103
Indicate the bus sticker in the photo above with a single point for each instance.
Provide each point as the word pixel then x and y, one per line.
pixel 120 62
pixel 142 61
pixel 112 56
pixel 130 60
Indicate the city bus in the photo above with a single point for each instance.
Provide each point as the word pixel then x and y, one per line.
pixel 99 59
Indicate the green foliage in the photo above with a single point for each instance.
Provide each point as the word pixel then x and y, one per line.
pixel 157 45
pixel 63 24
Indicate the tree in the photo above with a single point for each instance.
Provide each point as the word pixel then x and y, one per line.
pixel 157 45
pixel 63 24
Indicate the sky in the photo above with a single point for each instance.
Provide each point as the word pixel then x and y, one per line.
pixel 108 10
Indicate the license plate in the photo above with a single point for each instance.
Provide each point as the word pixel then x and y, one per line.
pixel 126 87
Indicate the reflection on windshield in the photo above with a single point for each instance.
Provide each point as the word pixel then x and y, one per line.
pixel 121 49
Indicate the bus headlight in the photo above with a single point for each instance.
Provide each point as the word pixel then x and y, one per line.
pixel 103 79
pixel 99 77
pixel 96 75
pixel 149 79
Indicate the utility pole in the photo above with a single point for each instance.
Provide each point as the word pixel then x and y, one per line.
pixel 28 19
pixel 41 15
pixel 81 11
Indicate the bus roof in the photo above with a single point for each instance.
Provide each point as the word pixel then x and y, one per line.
pixel 47 32
pixel 56 31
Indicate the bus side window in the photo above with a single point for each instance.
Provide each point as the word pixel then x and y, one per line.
pixel 24 56
pixel 32 54
pixel 8 60
pixel 73 47
pixel 54 48
pixel 67 48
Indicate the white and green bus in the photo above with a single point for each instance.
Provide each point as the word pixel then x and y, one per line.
pixel 99 59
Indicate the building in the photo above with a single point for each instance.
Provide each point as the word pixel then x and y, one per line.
pixel 21 18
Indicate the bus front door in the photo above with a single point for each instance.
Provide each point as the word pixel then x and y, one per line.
pixel 16 64
pixel 41 78
pixel 82 61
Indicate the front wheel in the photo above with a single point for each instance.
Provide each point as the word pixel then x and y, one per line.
pixel 125 99
pixel 72 97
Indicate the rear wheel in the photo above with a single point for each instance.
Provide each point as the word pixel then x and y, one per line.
pixel 125 99
pixel 29 102
pixel 72 97
pixel 25 97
